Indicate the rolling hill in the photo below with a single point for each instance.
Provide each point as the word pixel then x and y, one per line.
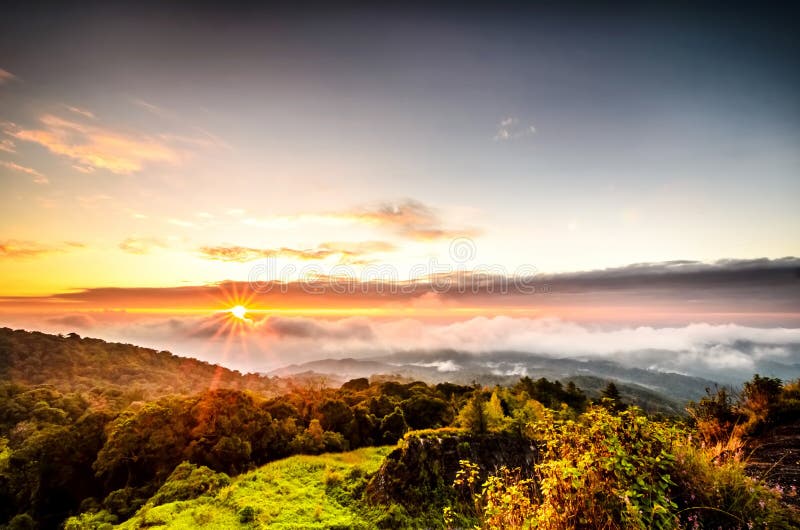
pixel 650 389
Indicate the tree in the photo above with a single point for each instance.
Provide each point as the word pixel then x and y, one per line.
pixel 611 398
pixel 425 412
pixel 363 428
pixel 496 419
pixel 760 395
pixel 356 385
pixel 473 416
pixel 335 415
pixel 393 426
pixel 759 400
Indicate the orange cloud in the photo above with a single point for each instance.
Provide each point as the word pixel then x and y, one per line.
pixel 16 249
pixel 757 292
pixel 22 249
pixel 38 178
pixel 97 147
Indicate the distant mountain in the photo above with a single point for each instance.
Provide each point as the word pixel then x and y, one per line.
pixel 72 363
pixel 643 386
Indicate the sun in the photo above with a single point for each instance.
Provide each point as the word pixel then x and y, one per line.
pixel 239 311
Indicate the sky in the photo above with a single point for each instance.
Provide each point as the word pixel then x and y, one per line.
pixel 161 162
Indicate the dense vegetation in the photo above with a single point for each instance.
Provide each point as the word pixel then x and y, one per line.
pixel 110 374
pixel 296 492
pixel 613 467
pixel 90 450
pixel 85 425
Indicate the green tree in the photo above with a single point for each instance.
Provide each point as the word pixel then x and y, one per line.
pixel 424 412
pixel 473 415
pixel 611 398
pixel 496 419
pixel 393 426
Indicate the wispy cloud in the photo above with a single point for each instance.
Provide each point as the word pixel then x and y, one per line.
pixel 6 76
pixel 38 178
pixel 7 146
pixel 406 218
pixel 411 219
pixel 94 146
pixel 23 249
pixel 510 128
pixel 151 108
pixel 141 245
pixel 346 252
pixel 245 254
pixel 83 112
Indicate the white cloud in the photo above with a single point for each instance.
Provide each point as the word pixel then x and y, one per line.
pixel 714 351
pixel 510 128
pixel 441 366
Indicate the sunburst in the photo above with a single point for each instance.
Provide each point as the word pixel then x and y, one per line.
pixel 239 311
pixel 230 323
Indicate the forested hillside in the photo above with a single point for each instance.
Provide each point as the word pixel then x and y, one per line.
pixel 164 446
pixel 74 364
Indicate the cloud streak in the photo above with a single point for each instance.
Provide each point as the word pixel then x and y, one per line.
pixel 345 251
pixel 18 249
pixel 406 218
pixel 11 249
pixel 95 146
pixel 38 178
pixel 752 292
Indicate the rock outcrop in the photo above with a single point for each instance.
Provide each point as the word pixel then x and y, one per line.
pixel 422 469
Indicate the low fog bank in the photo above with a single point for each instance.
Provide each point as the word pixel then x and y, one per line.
pixel 720 352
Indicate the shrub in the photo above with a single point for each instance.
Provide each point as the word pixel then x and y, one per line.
pixel 189 481
pixel 714 416
pixel 758 402
pixel 22 521
pixel 331 477
pixel 621 470
pixel 605 471
pixel 247 515
pixel 101 520
pixel 716 493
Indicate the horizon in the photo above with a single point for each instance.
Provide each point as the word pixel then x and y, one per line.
pixel 259 186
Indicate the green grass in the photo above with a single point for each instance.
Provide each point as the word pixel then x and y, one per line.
pixel 297 492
